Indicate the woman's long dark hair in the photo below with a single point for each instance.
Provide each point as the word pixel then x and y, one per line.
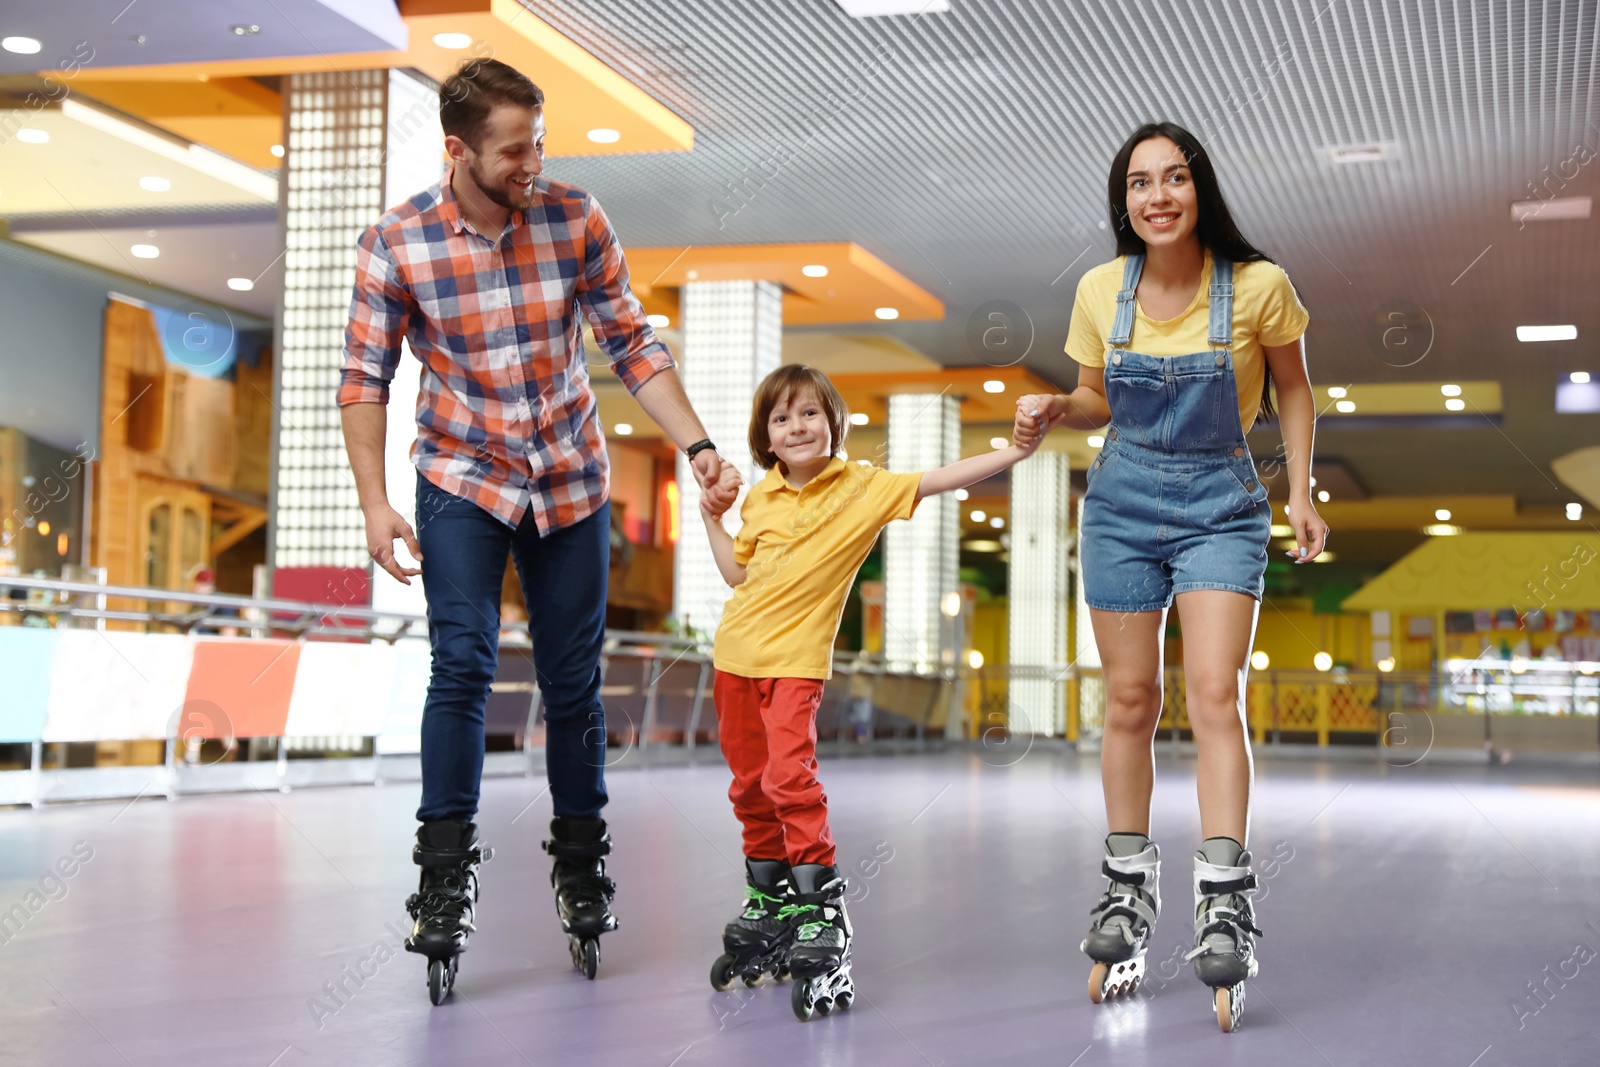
pixel 1216 228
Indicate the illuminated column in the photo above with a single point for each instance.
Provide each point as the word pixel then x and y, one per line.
pixel 1037 592
pixel 1091 686
pixel 920 556
pixel 732 338
pixel 358 142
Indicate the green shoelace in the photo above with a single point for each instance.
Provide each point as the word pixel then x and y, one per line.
pixel 755 898
pixel 806 931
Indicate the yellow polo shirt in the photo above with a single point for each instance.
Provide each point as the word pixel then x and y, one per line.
pixel 1266 311
pixel 801 549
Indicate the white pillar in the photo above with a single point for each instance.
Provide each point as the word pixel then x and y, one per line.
pixel 920 556
pixel 732 338
pixel 1091 687
pixel 1038 589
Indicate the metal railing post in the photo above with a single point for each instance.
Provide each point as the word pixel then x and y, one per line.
pixel 689 735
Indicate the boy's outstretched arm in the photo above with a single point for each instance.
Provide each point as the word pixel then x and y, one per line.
pixel 964 472
pixel 721 539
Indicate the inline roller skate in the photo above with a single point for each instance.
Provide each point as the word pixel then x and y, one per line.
pixel 757 942
pixel 447 892
pixel 583 892
pixel 1124 916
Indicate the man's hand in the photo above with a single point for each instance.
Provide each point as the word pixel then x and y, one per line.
pixel 384 526
pixel 718 497
pixel 707 467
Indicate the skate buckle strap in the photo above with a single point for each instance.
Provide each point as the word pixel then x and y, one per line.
pixel 1213 887
pixel 1133 878
pixel 451 857
pixel 579 850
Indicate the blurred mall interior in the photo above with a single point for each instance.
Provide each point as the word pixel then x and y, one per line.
pixel 206 685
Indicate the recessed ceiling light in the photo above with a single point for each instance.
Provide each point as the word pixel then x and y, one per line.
pixel 1322 495
pixel 1358 153
pixel 994 385
pixel 982 546
pixel 154 184
pixel 1442 514
pixel 623 429
pixel 33 136
pixel 814 270
pixel 1337 392
pixel 241 285
pixel 859 418
pixel 887 313
pixel 1322 661
pixel 1574 512
pixel 1557 209
pixel 979 516
pixel 998 442
pixel 660 322
pixel 22 46
pixel 276 150
pixel 997 522
pixel 1455 404
pixel 145 251
pixel 1450 390
pixel 1096 441
pixel 244 29
pixel 1579 377
pixel 866 9
pixel 1442 529
pixel 1313 481
pixel 1547 333
pixel 1346 406
pixel 601 135
pixel 962 494
pixel 452 40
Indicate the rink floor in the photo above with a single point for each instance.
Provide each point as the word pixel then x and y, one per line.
pixel 1407 911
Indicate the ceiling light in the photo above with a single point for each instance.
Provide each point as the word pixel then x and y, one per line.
pixel 1313 481
pixel 1281 530
pixel 998 523
pixel 601 135
pixel 1442 529
pixel 1442 514
pixel 454 41
pixel 865 9
pixel 1450 390
pixel 982 546
pixel 1386 664
pixel 887 313
pixel 951 604
pixel 1337 392
pixel 994 385
pixel 1579 377
pixel 1096 441
pixel 1455 404
pixel 1358 153
pixel 212 164
pixel 276 150
pixel 145 251
pixel 859 418
pixel 1260 660
pixel 1346 406
pixel 242 29
pixel 660 322
pixel 998 442
pixel 962 494
pixel 154 185
pixel 241 285
pixel 975 659
pixel 1574 512
pixel 29 135
pixel 1322 495
pixel 979 516
pixel 623 429
pixel 814 270
pixel 1322 661
pixel 1553 210
pixel 22 46
pixel 1547 333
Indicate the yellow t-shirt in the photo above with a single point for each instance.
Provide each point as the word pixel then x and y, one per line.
pixel 1266 311
pixel 801 550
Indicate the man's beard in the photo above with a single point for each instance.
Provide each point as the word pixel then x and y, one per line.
pixel 495 194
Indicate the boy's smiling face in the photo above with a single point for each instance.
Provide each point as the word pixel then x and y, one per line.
pixel 798 431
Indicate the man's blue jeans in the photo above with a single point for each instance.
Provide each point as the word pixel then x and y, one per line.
pixel 564 581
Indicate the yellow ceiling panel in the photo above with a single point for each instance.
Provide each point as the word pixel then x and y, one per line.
pixel 1489 570
pixel 1408 398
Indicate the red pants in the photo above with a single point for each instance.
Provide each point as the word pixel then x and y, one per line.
pixel 768 729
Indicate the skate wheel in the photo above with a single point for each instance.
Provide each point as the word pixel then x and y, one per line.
pixel 722 973
pixel 803 1000
pixel 825 1006
pixel 591 958
pixel 1097 983
pixel 1224 1002
pixel 844 1000
pixel 753 980
pixel 439 980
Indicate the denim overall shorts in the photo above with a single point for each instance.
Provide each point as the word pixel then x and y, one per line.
pixel 1174 502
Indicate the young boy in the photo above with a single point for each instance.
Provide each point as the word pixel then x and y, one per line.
pixel 807 526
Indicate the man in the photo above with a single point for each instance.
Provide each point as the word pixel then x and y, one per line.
pixel 486 274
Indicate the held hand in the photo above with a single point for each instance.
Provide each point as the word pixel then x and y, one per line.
pixel 1037 414
pixel 384 527
pixel 707 467
pixel 719 496
pixel 1310 532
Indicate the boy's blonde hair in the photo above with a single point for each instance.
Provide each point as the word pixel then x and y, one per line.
pixel 783 383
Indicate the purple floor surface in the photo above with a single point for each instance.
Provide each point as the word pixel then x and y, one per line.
pixel 1430 915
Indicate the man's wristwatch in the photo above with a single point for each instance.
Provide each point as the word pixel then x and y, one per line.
pixel 699 447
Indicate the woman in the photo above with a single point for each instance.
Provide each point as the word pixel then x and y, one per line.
pixel 1181 340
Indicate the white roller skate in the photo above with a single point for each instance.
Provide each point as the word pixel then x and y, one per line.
pixel 1123 918
pixel 1224 925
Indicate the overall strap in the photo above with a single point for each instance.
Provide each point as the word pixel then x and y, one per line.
pixel 1122 325
pixel 1220 334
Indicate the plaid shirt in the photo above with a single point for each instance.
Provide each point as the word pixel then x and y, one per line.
pixel 505 415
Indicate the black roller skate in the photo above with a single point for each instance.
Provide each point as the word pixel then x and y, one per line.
pixel 757 942
pixel 819 958
pixel 583 892
pixel 442 906
pixel 1120 932
pixel 1224 925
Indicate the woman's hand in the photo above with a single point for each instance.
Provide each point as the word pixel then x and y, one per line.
pixel 1037 415
pixel 1310 531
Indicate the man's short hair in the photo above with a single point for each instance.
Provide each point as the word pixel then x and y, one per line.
pixel 468 95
